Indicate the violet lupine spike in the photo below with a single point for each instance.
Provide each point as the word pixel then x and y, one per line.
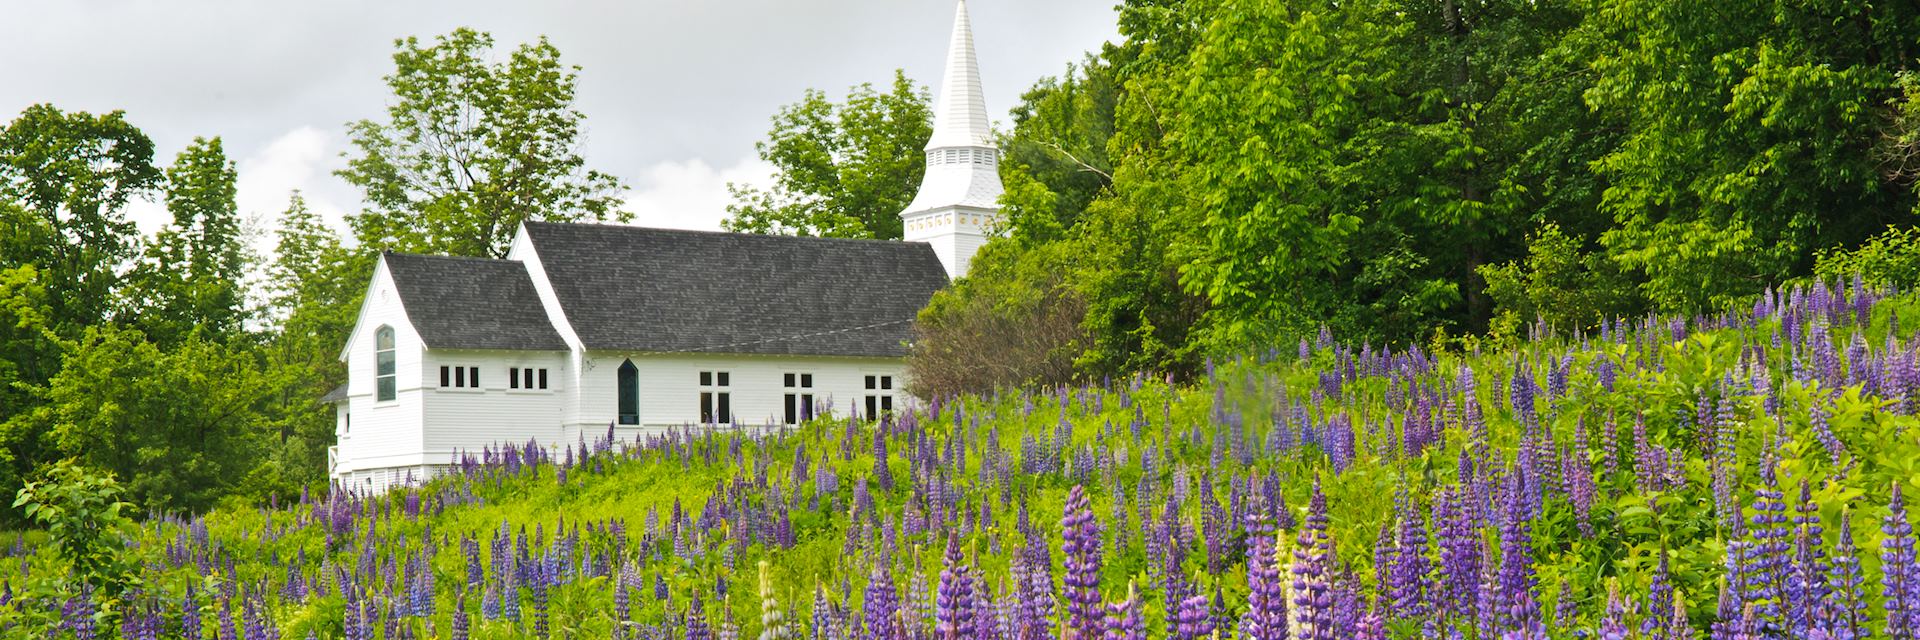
pixel 1123 619
pixel 1900 578
pixel 1313 566
pixel 954 604
pixel 1081 547
pixel 1191 621
pixel 1266 617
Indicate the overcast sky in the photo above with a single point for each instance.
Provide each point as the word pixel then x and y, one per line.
pixel 675 91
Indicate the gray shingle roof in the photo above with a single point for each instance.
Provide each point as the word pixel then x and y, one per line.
pixel 642 289
pixel 472 303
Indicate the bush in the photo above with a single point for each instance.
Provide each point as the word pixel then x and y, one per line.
pixel 1891 258
pixel 85 522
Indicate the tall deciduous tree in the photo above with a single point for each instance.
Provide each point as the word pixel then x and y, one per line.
pixel 71 174
pixel 1749 130
pixel 471 148
pixel 192 276
pixel 845 170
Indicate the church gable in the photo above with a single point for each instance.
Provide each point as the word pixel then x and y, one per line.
pixel 472 303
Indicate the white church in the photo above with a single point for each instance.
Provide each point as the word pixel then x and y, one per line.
pixel 583 326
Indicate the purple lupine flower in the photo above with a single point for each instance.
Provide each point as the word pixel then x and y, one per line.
pixel 1081 546
pixel 1123 619
pixel 1191 621
pixel 1313 563
pixel 955 604
pixel 1266 617
pixel 1613 623
pixel 1842 614
pixel 1900 578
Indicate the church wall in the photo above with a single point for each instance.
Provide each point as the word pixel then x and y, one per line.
pixel 382 434
pixel 670 387
pixel 469 418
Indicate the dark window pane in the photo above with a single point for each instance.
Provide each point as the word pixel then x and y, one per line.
pixel 789 382
pixel 383 363
pixel 473 376
pixel 543 378
pixel 706 378
pixel 886 382
pixel 793 408
pixel 706 407
pixel 806 380
pixel 629 393
pixel 724 413
pixel 443 376
pixel 459 376
pixel 870 383
pixel 806 406
pixel 513 378
pixel 385 389
pixel 383 339
pixel 886 404
pixel 723 378
pixel 873 406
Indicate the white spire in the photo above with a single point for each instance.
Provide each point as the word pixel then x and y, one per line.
pixel 958 206
pixel 960 116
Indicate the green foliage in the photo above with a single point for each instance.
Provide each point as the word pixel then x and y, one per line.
pixel 1559 283
pixel 191 279
pixel 1015 322
pixel 64 178
pixel 844 170
pixel 86 524
pixel 1891 257
pixel 471 148
pixel 1747 125
pixel 181 424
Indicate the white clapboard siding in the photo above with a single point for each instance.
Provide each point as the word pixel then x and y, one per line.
pixel 467 419
pixel 382 434
pixel 670 386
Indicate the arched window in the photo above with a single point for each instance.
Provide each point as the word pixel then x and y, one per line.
pixel 629 393
pixel 386 383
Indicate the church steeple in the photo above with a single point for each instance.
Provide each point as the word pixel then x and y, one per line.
pixel 958 206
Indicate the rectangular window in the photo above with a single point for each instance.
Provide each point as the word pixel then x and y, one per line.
pixel 473 377
pixel 385 380
pixel 459 376
pixel 879 404
pixel 543 378
pixel 716 406
pixel 444 380
pixel 798 404
pixel 513 378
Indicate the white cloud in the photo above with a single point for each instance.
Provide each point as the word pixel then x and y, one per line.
pixel 690 194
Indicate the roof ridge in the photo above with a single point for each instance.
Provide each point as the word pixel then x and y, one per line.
pixel 430 256
pixel 708 232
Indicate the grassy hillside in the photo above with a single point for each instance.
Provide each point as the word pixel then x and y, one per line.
pixel 1738 470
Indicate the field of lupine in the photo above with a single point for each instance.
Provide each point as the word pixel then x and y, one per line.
pixel 1737 476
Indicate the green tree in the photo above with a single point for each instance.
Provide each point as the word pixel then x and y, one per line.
pixel 314 288
pixel 471 148
pixel 192 277
pixel 1748 130
pixel 845 170
pixel 181 425
pixel 70 175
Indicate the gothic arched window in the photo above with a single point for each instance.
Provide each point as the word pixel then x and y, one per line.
pixel 629 393
pixel 385 379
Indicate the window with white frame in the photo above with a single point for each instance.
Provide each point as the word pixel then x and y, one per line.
pixel 385 378
pixel 459 377
pixel 879 395
pixel 716 401
pixel 799 406
pixel 526 378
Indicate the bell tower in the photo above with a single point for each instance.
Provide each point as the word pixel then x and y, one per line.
pixel 958 206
